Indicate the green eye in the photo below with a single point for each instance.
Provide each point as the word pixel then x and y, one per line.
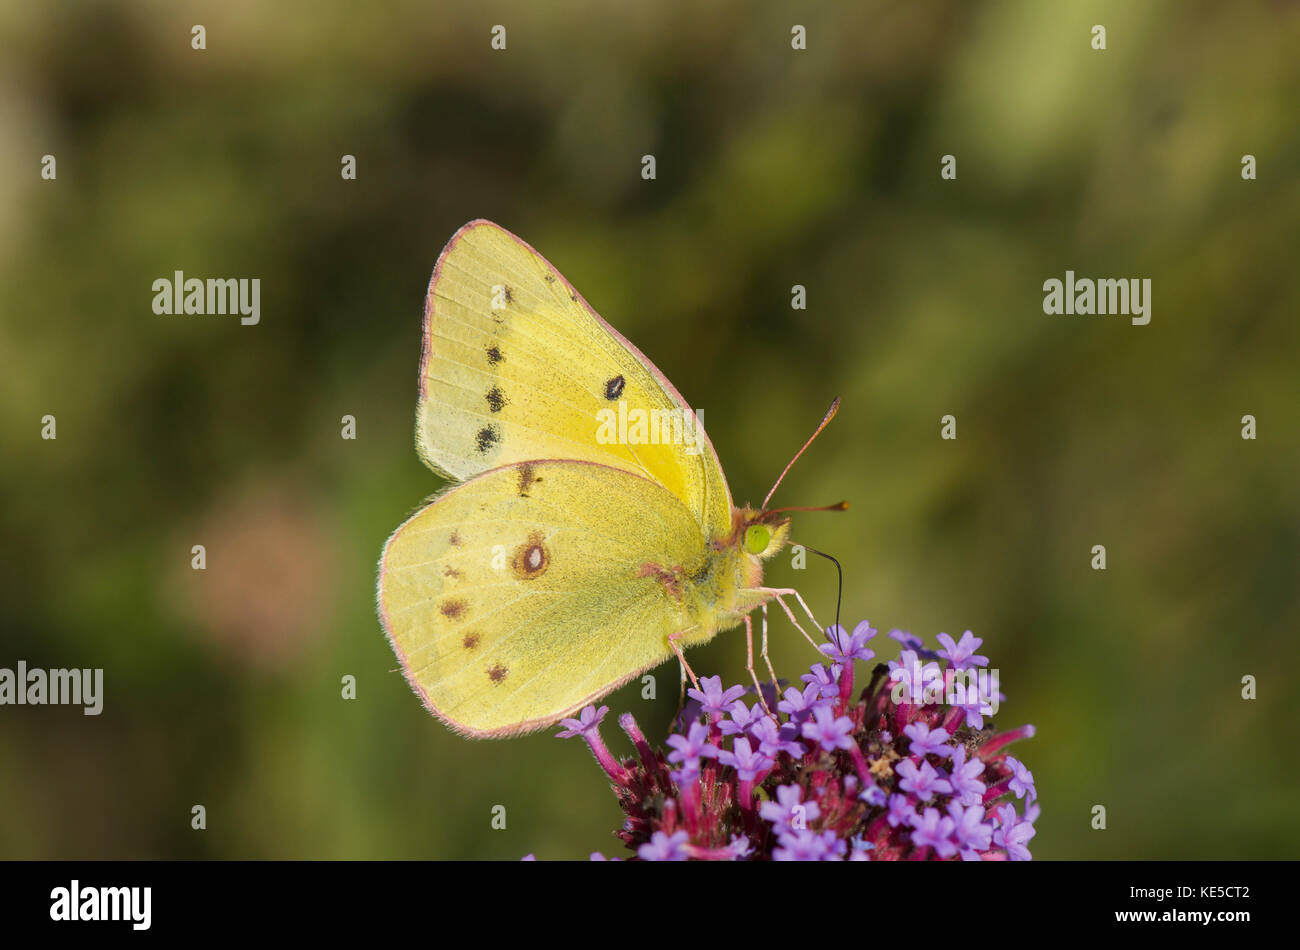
pixel 757 538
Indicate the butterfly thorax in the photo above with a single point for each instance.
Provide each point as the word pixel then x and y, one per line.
pixel 716 591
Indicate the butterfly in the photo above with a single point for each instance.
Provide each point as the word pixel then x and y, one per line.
pixel 592 533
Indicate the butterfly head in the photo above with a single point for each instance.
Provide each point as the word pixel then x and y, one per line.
pixel 764 533
pixel 761 534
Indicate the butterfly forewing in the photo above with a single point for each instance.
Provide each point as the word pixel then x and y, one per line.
pixel 516 366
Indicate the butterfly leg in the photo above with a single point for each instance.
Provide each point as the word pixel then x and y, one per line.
pixel 681 695
pixel 681 657
pixel 749 661
pixel 776 688
pixel 778 594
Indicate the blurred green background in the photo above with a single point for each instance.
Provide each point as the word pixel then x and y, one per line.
pixel 775 167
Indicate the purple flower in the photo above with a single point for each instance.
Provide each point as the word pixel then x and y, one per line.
pixel 826 681
pixel 828 731
pixel 1022 780
pixel 964 777
pixel 743 718
pixel 713 699
pixel 1013 833
pixel 860 847
pixel 809 846
pixel 782 812
pixel 934 830
pixel 911 642
pixel 973 834
pixel 927 741
pixel 586 725
pixel 874 796
pixel 799 706
pixel 688 774
pixel 901 811
pixel 845 647
pixel 914 676
pixel 663 847
pixel 975 708
pixel 834 771
pixel 908 640
pixel 962 655
pixel 693 745
pixel 745 760
pixel 774 739
pixel 740 847
pixel 691 711
pixel 924 782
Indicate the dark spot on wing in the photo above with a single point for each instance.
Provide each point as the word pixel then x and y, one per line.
pixel 531 559
pixel 497 673
pixel 549 278
pixel 573 297
pixel 614 387
pixel 470 641
pixel 527 476
pixel 487 437
pixel 496 399
pixel 451 609
pixel 454 540
pixel 450 571
pixel 507 293
pixel 494 355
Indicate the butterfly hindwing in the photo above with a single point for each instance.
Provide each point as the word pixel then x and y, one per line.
pixel 517 366
pixel 521 595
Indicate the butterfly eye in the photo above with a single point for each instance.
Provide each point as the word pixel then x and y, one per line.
pixel 757 538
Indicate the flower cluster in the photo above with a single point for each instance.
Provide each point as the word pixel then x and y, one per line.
pixel 909 770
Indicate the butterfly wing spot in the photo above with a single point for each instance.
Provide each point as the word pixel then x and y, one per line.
pixel 487 437
pixel 451 609
pixel 670 579
pixel 496 399
pixel 526 479
pixel 497 673
pixel 573 297
pixel 507 293
pixel 614 387
pixel 450 571
pixel 531 558
pixel 470 641
pixel 454 540
pixel 549 278
pixel 494 355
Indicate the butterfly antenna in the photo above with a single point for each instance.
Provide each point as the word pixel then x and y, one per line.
pixel 830 414
pixel 838 570
pixel 838 506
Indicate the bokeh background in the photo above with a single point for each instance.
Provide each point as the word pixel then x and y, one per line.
pixel 775 167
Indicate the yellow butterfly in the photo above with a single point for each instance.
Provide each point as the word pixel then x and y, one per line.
pixel 592 535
